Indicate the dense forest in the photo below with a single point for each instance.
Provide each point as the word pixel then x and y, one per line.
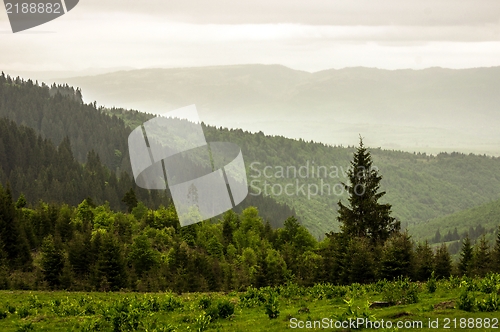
pixel 72 217
pixel 92 247
pixel 419 186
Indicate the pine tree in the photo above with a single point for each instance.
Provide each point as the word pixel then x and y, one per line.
pixel 442 261
pixel 130 199
pixel 110 264
pixel 397 257
pixel 424 261
pixel 481 257
pixel 14 241
pixel 361 266
pixel 366 217
pixel 466 257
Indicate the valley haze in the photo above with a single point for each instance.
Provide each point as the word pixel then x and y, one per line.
pixel 428 110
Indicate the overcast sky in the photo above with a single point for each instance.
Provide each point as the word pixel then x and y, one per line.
pixel 307 35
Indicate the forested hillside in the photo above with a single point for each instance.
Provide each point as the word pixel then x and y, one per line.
pixel 420 187
pixel 454 228
pixel 92 247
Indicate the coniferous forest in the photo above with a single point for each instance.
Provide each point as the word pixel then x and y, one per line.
pixel 72 219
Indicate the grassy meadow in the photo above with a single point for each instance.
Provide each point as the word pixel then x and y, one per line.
pixel 463 303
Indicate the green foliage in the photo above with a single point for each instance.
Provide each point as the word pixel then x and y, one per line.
pixel 401 291
pixel 142 256
pixel 202 322
pixel 466 301
pixel 52 261
pixel 397 257
pixel 272 305
pixel 252 298
pixel 225 308
pixel 489 304
pixel 366 217
pixel 25 327
pixel 205 302
pixel 431 284
pixel 466 258
pixel 442 263
pixel 353 313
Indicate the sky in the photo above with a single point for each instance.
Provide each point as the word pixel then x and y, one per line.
pixel 308 35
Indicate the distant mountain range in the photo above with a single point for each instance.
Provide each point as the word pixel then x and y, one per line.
pixel 429 110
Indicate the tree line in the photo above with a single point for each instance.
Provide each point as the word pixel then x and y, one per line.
pixel 92 247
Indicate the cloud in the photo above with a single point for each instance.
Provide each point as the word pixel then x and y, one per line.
pixel 310 12
pixel 304 35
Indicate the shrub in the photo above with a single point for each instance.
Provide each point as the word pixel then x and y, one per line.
pixel 11 309
pixel 401 291
pixel 489 304
pixel 3 314
pixel 353 313
pixel 225 308
pixel 23 312
pixel 272 305
pixel 202 322
pixel 25 327
pixel 431 284
pixel 466 301
pixel 170 303
pixel 490 283
pixel 252 298
pixel 205 302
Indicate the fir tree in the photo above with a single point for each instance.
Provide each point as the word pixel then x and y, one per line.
pixel 397 257
pixel 366 217
pixel 52 261
pixel 110 264
pixel 130 200
pixel 424 261
pixel 442 262
pixel 481 257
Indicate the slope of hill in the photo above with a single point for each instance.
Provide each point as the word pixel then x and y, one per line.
pixel 419 186
pixel 479 220
pixel 430 110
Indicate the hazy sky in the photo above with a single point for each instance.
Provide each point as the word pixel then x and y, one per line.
pixel 308 35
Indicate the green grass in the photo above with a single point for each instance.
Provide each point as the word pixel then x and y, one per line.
pixel 63 311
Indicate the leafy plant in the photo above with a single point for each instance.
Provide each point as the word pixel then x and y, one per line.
pixel 489 304
pixel 252 297
pixel 401 291
pixel 466 301
pixel 431 284
pixel 23 312
pixel 25 327
pixel 205 302
pixel 202 322
pixel 272 306
pixel 225 308
pixel 355 312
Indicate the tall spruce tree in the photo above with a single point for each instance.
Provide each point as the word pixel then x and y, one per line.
pixel 52 261
pixel 466 257
pixel 442 267
pixel 366 217
pixel 424 261
pixel 482 259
